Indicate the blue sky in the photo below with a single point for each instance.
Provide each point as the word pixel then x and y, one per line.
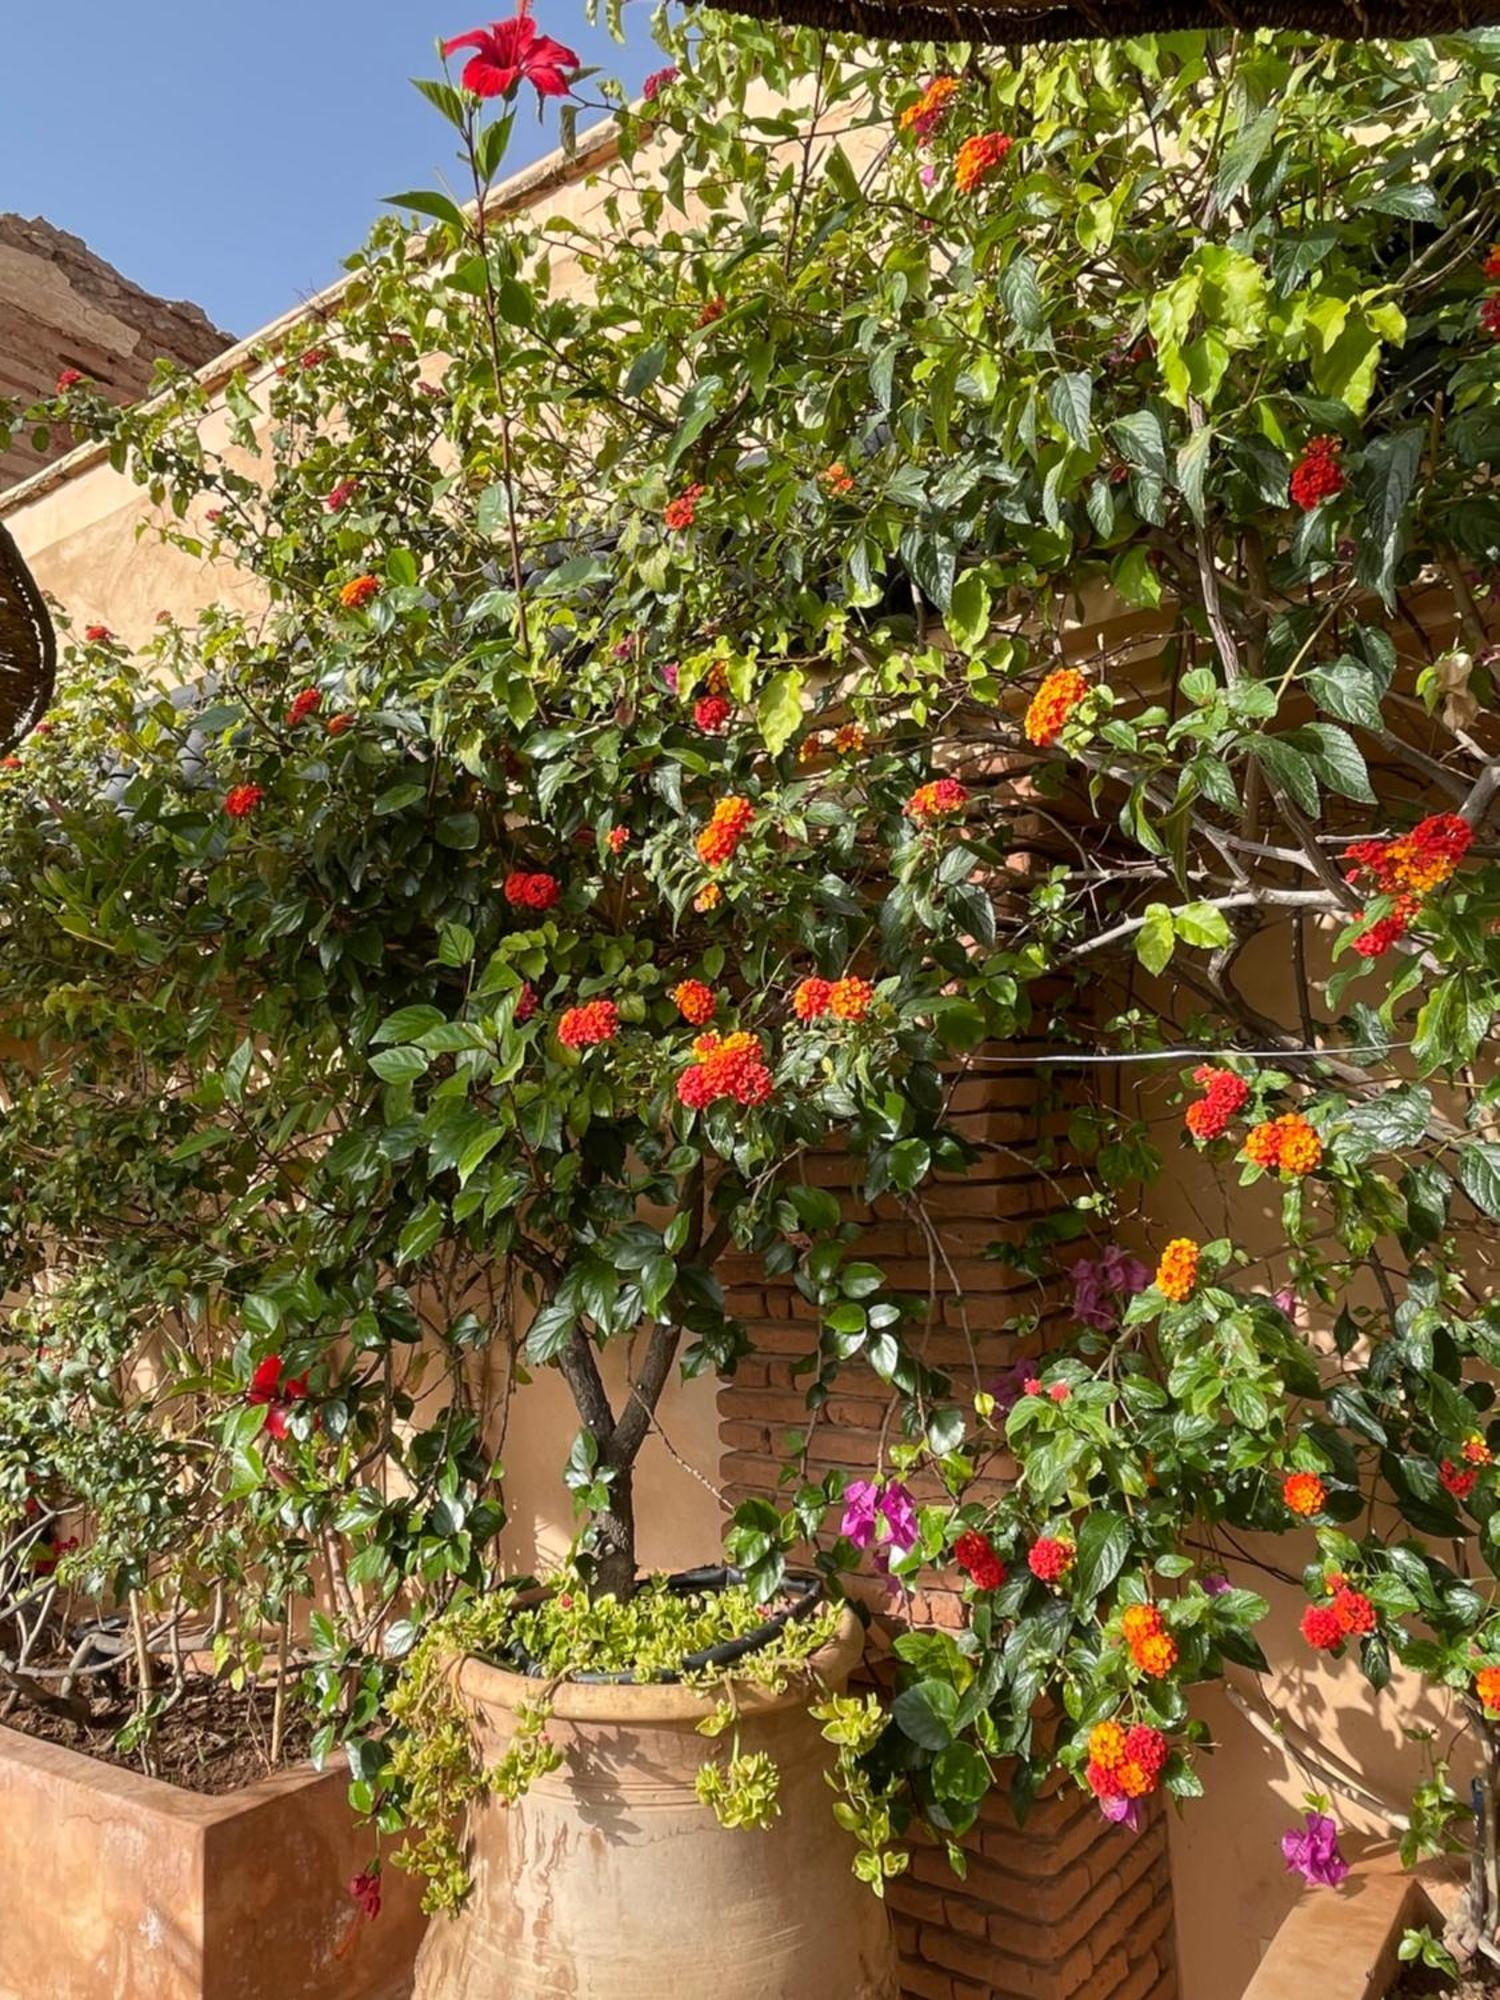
pixel 233 154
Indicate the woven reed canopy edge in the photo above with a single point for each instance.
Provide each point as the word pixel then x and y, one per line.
pixel 1028 23
pixel 28 648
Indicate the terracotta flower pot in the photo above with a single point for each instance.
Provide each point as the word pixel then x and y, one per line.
pixel 608 1880
pixel 116 1887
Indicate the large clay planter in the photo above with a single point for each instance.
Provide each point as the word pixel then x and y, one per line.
pixel 609 1881
pixel 115 1887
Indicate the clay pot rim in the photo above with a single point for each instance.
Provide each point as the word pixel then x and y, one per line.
pixel 664 1701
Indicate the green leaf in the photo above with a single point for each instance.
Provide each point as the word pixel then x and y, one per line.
pixel 1384 482
pixel 492 514
pixel 259 1313
pixel 1479 1176
pixel 961 1774
pixel 1244 154
pixel 1288 770
pixel 399 797
pixel 1413 201
pixel 549 1333
pixel 925 1713
pixel 779 710
pixel 645 370
pixel 407 1024
pixel 1156 939
pixel 1335 758
pixel 420 1234
pixel 1202 925
pixel 1021 293
pixel 1192 468
pixel 455 945
pixel 459 831
pixel 428 201
pixel 1103 1544
pixel 1394 1122
pixel 1347 689
pixel 968 618
pixel 402 1065
pixel 1141 444
pixel 1070 398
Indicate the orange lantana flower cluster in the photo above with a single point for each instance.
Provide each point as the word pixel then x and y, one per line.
pixel 1177 1273
pixel 595 1021
pixel 1125 1763
pixel 1487 1687
pixel 936 800
pixel 694 1001
pixel 683 511
pixel 845 999
pixel 1304 1493
pixel 725 1066
pixel 978 158
pixel 1152 1646
pixel 926 117
pixel 358 592
pixel 1288 1143
pixel 1408 868
pixel 1224 1096
pixel 1350 1615
pixel 725 830
pixel 1052 704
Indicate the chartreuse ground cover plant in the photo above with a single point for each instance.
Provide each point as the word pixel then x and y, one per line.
pixel 431 981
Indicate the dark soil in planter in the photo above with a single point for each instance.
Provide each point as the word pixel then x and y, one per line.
pixel 1417 1983
pixel 212 1740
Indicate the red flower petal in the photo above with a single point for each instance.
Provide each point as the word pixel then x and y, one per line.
pixel 266 1380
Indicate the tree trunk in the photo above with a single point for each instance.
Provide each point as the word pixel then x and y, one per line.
pixel 614 1539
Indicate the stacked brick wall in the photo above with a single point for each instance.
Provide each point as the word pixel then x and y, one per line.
pixel 62 307
pixel 1066 1907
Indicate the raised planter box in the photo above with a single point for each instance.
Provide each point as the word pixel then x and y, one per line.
pixel 1340 1944
pixel 116 1887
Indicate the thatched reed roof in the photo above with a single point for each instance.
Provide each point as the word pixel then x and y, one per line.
pixel 28 648
pixel 1020 23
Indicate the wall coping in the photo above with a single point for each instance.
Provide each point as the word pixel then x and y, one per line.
pixel 1341 1943
pixel 151 1796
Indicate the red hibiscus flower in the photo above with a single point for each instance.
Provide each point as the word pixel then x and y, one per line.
pixel 510 52
pixel 277 1396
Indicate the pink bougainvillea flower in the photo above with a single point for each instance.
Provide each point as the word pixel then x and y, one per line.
pixel 69 379
pixel 858 1523
pixel 1312 1851
pixel 508 53
pixel 1122 1811
pixel 868 1504
pixel 658 81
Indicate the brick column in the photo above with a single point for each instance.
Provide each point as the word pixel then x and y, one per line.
pixel 1068 1907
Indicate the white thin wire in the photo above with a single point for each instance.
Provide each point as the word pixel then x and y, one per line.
pixel 1182 1055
